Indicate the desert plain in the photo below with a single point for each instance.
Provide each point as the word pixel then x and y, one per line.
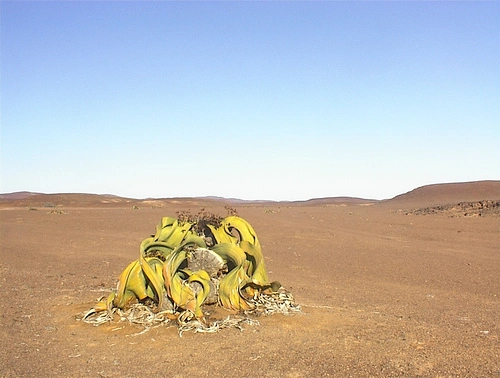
pixel 406 287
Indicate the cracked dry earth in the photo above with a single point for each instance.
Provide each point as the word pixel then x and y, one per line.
pixel 384 294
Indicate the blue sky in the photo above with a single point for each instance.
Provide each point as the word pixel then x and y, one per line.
pixel 253 100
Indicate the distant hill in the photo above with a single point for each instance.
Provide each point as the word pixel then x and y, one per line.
pixel 29 199
pixel 429 195
pixel 449 193
pixel 334 201
pixel 17 195
pixel 60 199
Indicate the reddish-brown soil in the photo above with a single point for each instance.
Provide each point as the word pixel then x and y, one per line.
pixel 386 290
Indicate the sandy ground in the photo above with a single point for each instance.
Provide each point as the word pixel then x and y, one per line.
pixel 385 293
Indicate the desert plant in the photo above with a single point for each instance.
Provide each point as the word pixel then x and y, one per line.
pixel 193 261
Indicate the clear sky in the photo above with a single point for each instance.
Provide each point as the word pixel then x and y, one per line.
pixel 253 100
